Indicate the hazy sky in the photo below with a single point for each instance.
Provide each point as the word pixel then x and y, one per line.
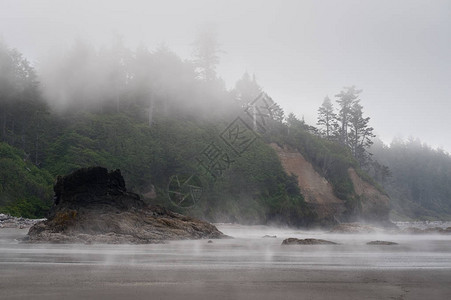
pixel 398 52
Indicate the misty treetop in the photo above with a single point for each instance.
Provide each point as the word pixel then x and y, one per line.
pixel 206 54
pixel 347 125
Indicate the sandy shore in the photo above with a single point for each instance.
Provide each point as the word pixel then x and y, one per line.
pixel 243 268
pixel 34 281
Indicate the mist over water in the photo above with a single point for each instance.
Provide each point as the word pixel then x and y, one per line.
pixel 237 266
pixel 250 245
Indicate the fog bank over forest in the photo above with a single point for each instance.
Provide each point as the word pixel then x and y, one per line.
pixel 155 93
pixel 299 51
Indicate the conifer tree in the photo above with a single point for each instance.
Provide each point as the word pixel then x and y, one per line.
pixel 327 119
pixel 206 55
pixel 346 99
pixel 360 134
pixel 247 89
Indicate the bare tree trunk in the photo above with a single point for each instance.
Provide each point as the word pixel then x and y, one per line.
pixel 12 133
pixel 254 117
pixel 36 143
pixel 4 126
pixel 117 101
pixel 151 108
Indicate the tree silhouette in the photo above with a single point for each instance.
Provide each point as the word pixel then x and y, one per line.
pixel 206 58
pixel 327 118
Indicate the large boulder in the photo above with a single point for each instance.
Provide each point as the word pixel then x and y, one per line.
pixel 92 205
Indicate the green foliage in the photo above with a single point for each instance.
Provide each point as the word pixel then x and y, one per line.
pixel 147 114
pixel 419 185
pixel 329 158
pixel 25 190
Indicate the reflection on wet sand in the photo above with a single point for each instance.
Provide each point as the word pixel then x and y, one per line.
pixel 246 267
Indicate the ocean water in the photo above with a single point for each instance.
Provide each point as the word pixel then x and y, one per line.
pixel 248 266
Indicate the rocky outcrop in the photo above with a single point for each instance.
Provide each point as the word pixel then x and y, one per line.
pixel 295 241
pixel 92 205
pixel 7 221
pixel 317 191
pixel 269 236
pixel 381 243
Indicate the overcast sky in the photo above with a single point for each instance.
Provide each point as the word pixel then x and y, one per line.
pixel 398 52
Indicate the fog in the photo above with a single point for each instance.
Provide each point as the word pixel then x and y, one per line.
pixel 245 267
pixel 299 51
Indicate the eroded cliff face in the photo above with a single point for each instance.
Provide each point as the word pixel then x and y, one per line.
pixel 317 191
pixel 375 205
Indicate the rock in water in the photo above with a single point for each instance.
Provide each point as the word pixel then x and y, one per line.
pixel 92 205
pixel 295 241
pixel 269 236
pixel 385 243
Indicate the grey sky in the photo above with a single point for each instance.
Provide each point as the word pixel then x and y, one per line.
pixel 398 52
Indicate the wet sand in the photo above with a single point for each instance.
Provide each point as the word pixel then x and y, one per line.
pixel 247 267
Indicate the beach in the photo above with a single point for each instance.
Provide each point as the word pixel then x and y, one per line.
pixel 249 266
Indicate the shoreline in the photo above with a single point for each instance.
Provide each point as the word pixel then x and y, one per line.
pixel 246 267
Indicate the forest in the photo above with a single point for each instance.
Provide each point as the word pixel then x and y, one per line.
pixel 155 116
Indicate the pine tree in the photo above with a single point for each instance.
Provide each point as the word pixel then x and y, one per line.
pixel 346 99
pixel 360 134
pixel 206 56
pixel 327 118
pixel 247 89
pixel 277 113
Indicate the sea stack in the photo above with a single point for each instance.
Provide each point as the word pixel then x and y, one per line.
pixel 92 205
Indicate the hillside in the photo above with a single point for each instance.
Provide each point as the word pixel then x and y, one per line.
pixel 318 192
pixel 418 179
pixel 158 120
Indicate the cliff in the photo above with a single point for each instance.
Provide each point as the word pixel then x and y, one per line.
pixel 317 191
pixel 374 205
pixel 370 203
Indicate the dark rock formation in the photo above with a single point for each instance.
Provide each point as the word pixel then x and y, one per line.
pixel 385 243
pixel 269 236
pixel 93 206
pixel 295 241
